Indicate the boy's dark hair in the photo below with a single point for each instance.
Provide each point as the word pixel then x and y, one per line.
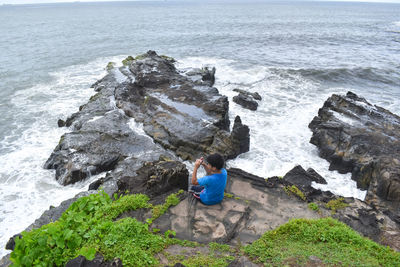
pixel 216 160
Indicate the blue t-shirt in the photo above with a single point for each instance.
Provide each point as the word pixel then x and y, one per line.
pixel 214 186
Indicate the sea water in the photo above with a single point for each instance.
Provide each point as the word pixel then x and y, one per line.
pixel 294 54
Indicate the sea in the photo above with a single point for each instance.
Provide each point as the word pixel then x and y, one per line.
pixel 294 54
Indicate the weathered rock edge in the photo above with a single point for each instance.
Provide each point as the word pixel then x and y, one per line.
pixel 364 139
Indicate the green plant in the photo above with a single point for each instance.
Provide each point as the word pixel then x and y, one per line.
pixel 158 210
pixel 228 195
pixel 313 206
pixel 110 65
pixel 333 242
pixel 295 191
pixel 336 204
pixel 127 60
pixel 140 57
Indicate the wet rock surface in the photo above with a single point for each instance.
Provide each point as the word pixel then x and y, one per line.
pixel 358 137
pixel 245 101
pixel 180 113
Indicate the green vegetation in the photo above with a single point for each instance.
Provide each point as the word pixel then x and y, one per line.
pixel 313 206
pixel 158 210
pixel 336 204
pixel 333 242
pixel 218 255
pixel 171 59
pixel 295 191
pixel 91 225
pixel 140 57
pixel 88 226
pixel 228 195
pixel 110 65
pixel 128 60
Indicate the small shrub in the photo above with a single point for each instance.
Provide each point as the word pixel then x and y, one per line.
pixel 110 65
pixel 313 206
pixel 128 60
pixel 336 204
pixel 295 191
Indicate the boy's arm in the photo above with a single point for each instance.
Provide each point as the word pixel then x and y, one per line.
pixel 196 167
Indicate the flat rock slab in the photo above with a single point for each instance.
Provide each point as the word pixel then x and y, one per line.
pixel 247 211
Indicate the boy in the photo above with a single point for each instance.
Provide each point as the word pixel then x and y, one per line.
pixel 209 189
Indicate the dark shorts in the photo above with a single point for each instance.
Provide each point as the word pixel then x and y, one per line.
pixel 196 191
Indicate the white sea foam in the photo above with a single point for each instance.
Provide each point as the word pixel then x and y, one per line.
pixel 26 189
pixel 279 131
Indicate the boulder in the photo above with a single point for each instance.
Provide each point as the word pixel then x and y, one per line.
pixel 245 101
pixel 156 178
pixel 358 137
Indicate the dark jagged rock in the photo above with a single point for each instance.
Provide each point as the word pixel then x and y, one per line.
pixel 156 178
pixel 237 143
pixel 98 261
pixel 208 76
pixel 245 101
pixel 357 137
pixel 60 123
pixel 187 119
pixel 11 242
pixel 303 179
pixel 254 95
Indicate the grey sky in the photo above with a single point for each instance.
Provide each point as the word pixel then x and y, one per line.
pixel 60 1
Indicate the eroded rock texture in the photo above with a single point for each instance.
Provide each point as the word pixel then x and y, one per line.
pixel 358 137
pixel 182 114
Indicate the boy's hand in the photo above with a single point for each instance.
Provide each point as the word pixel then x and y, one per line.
pixel 198 162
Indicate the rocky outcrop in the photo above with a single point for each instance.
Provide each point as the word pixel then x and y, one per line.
pixel 358 137
pixel 253 205
pixel 147 116
pixel 183 117
pixel 246 99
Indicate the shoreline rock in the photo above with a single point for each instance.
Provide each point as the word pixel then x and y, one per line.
pixel 247 99
pixel 182 117
pixel 358 137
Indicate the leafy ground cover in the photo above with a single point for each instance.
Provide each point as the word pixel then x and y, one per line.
pixel 333 242
pixel 89 226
